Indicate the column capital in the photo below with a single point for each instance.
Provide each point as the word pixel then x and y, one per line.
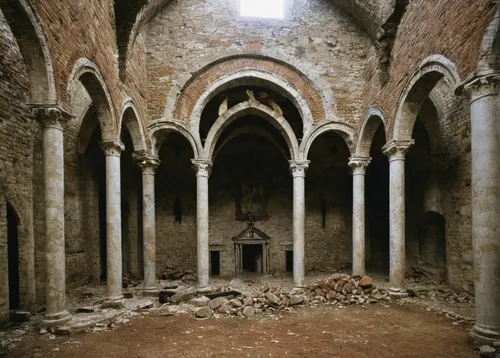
pixel 112 147
pixel 298 168
pixel 51 116
pixel 359 164
pixel 397 149
pixel 148 163
pixel 483 86
pixel 202 167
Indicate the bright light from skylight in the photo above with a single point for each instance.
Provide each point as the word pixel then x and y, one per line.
pixel 269 9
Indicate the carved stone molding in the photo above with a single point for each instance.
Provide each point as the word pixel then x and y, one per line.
pixel 397 149
pixel 148 163
pixel 484 86
pixel 298 168
pixel 202 167
pixel 51 117
pixel 112 147
pixel 359 165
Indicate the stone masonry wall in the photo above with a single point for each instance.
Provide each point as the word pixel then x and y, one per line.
pixel 16 123
pixel 189 33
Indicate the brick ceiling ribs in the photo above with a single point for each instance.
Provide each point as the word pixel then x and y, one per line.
pixel 132 16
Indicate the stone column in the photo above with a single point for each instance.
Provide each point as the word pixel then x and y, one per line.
pixel 112 150
pixel 396 151
pixel 358 166
pixel 298 170
pixel 52 120
pixel 203 169
pixel 149 165
pixel 483 94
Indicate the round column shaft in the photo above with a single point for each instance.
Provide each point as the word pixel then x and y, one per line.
pixel 112 150
pixel 358 166
pixel 149 165
pixel 55 259
pixel 298 170
pixel 396 151
pixel 202 168
pixel 485 205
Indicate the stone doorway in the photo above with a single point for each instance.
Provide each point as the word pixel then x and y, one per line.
pixel 251 250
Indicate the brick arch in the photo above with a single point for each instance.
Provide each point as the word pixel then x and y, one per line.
pixel 159 130
pixel 129 118
pixel 26 239
pixel 373 119
pixel 344 130
pixel 30 37
pixel 431 71
pixel 241 110
pixel 489 56
pixel 183 105
pixel 88 74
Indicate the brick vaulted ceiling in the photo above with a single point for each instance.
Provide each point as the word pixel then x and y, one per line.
pixel 131 16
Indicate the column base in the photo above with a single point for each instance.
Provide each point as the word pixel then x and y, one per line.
pixel 56 319
pixel 295 285
pixel 485 334
pixel 113 302
pixel 203 284
pixel 397 292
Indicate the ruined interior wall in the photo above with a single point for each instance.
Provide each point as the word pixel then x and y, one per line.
pixel 187 34
pixel 16 128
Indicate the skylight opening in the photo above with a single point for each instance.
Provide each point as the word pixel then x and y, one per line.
pixel 266 9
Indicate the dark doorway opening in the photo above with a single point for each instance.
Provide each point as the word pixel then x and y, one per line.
pixel 432 240
pixel 102 232
pixel 252 258
pixel 13 258
pixel 215 263
pixel 289 261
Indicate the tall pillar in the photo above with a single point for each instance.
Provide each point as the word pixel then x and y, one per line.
pixel 203 169
pixel 112 150
pixel 396 151
pixel 358 166
pixel 149 165
pixel 483 94
pixel 298 170
pixel 52 120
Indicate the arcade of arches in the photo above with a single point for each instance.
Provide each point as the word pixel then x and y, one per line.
pixel 180 134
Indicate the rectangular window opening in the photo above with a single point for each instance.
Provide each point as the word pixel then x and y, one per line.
pixel 215 263
pixel 266 9
pixel 289 261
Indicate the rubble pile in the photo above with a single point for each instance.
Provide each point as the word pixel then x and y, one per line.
pixel 490 351
pixel 171 273
pixel 337 289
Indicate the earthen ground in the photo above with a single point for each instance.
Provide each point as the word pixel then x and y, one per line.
pixel 327 331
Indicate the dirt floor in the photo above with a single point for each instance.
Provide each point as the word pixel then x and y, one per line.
pixel 327 331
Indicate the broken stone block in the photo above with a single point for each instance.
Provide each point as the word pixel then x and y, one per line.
pixel 236 303
pixel 319 292
pixel 273 299
pixel 204 312
pixel 248 311
pixel 331 295
pixel 365 282
pixel 183 295
pixel 225 308
pixel 217 302
pixel 247 301
pixel 295 300
pixel 145 306
pixel 200 301
pixel 487 351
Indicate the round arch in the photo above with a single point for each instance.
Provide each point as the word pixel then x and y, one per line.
pixel 373 119
pixel 344 130
pixel 89 75
pixel 246 108
pixel 432 70
pixel 159 130
pixel 27 29
pixel 129 118
pixel 489 55
pixel 249 78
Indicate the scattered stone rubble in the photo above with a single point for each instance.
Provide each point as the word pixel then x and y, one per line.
pixel 492 351
pixel 341 289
